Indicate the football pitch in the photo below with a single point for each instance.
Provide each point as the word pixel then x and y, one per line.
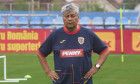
pixel 112 72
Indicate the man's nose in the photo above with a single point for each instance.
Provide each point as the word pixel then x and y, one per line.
pixel 69 18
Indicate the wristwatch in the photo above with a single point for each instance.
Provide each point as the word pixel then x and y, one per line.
pixel 97 66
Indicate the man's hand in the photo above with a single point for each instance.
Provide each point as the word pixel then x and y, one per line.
pixel 53 75
pixel 100 61
pixel 91 72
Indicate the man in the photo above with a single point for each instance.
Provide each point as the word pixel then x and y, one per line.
pixel 72 46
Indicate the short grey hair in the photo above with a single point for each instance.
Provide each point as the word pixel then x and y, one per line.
pixel 70 7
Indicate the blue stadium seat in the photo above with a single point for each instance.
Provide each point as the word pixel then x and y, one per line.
pixel 11 20
pixel 57 27
pixel 115 15
pixel 89 27
pixel 2 27
pixel 97 21
pixel 53 17
pixel 112 27
pixel 125 21
pixel 99 27
pixel 59 21
pixel 49 27
pixel 134 21
pixel 85 21
pixel 47 20
pixel 129 27
pixel 35 20
pixel 23 20
pixel 36 27
pixel 12 27
pixel 24 27
pixel 1 20
pixel 110 21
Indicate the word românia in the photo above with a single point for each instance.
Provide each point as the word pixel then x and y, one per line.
pixel 24 35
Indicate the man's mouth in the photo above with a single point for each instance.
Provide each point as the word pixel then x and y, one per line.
pixel 69 22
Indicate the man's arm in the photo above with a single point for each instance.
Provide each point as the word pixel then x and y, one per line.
pixel 51 74
pixel 100 61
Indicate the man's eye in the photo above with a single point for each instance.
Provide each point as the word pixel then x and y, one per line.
pixel 73 16
pixel 66 16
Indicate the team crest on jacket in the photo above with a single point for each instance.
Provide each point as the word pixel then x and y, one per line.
pixel 81 40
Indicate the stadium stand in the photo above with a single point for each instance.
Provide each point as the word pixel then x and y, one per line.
pixel 24 27
pixel 12 27
pixel 23 20
pixel 85 21
pixel 2 27
pixel 115 15
pixel 47 21
pixel 99 27
pixel 112 27
pixel 57 27
pixel 1 20
pixel 134 20
pixel 11 20
pixel 35 20
pixel 98 21
pixel 90 27
pixel 49 27
pixel 110 21
pixel 59 21
pixel 36 27
pixel 129 27
pixel 125 21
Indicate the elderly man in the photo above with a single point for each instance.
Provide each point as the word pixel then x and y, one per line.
pixel 72 46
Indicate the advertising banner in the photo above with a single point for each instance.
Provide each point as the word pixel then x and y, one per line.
pixel 22 40
pixel 131 41
pixel 111 38
pixel 29 40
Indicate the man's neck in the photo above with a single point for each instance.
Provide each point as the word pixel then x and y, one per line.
pixel 72 29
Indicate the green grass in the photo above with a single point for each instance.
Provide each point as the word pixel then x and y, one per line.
pixel 112 72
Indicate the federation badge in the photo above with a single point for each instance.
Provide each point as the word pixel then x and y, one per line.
pixel 81 40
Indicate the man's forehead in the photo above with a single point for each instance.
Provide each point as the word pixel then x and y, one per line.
pixel 70 13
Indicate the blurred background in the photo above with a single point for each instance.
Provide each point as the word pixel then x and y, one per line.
pixel 44 14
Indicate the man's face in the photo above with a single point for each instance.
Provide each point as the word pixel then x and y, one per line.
pixel 70 19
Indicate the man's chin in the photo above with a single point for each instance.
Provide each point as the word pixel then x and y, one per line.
pixel 70 26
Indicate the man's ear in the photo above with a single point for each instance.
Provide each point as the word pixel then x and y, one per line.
pixel 78 16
